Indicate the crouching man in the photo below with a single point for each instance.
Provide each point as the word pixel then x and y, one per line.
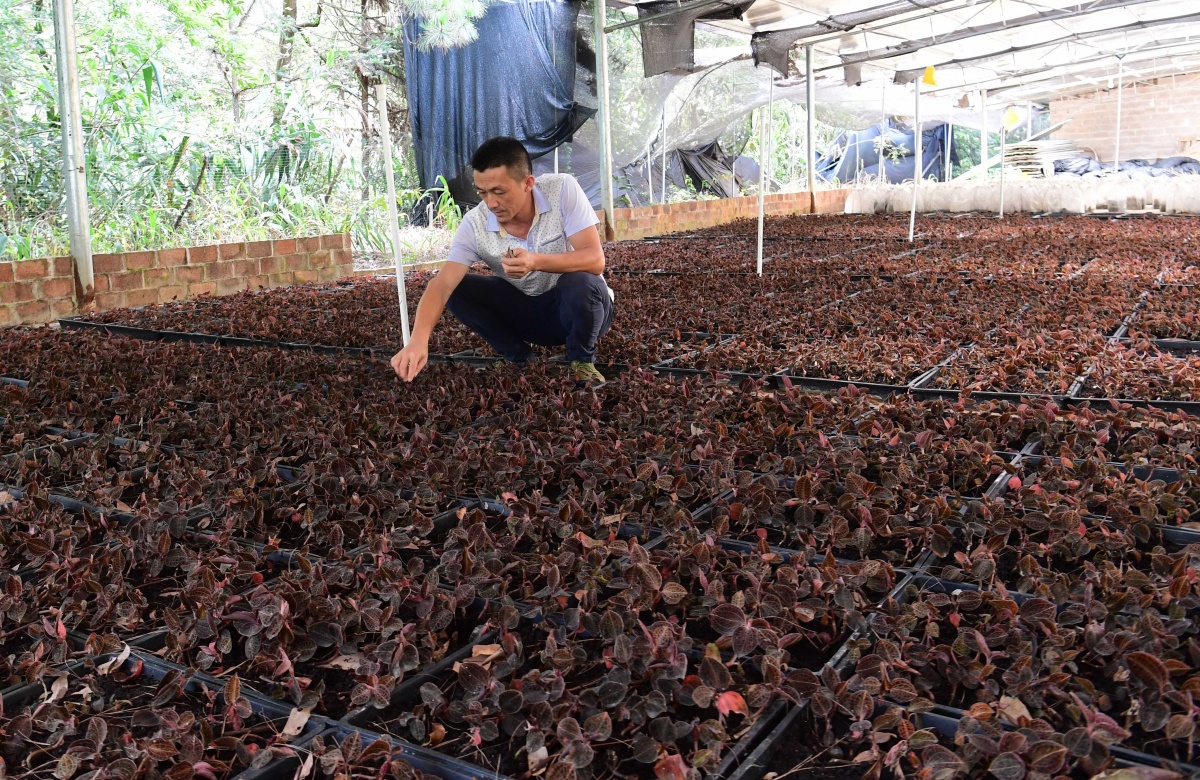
pixel 539 238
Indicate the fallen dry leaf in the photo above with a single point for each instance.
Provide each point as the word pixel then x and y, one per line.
pixel 484 651
pixel 58 689
pixel 345 662
pixel 1139 773
pixel 116 663
pixel 1014 711
pixel 296 721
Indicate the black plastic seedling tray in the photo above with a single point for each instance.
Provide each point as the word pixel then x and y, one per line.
pixel 156 669
pixel 430 763
pixel 171 336
pixel 143 334
pixel 1124 756
pixel 367 719
pixel 1189 407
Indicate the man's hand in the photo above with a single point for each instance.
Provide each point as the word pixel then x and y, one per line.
pixel 410 361
pixel 518 262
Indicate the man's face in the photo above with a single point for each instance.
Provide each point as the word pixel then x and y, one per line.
pixel 503 194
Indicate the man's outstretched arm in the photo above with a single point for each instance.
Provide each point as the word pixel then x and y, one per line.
pixel 410 361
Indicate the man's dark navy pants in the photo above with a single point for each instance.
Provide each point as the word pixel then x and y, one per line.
pixel 577 312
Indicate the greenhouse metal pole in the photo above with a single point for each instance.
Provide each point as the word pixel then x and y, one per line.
pixel 1003 153
pixel 764 159
pixel 810 105
pixel 74 162
pixel 949 144
pixel 649 171
pixel 385 135
pixel 918 145
pixel 606 169
pixel 663 189
pixel 1120 90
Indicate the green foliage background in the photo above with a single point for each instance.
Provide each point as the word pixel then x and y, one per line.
pixel 209 120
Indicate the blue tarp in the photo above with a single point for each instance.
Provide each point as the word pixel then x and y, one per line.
pixel 856 154
pixel 517 79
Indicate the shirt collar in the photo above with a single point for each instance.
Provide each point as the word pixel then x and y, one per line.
pixel 540 202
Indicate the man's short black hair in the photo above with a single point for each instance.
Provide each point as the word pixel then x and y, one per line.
pixel 506 152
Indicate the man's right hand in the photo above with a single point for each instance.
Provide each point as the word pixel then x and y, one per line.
pixel 411 360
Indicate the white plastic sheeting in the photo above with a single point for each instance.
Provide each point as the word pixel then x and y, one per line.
pixel 1179 195
pixel 1029 49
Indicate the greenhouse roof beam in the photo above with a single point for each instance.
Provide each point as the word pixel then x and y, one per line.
pixel 966 33
pixel 983 59
pixel 1007 81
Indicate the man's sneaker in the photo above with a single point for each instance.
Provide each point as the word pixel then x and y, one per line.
pixel 586 372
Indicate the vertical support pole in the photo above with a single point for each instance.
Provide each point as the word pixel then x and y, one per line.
pixel 1028 120
pixel 606 168
pixel 74 160
pixel 949 145
pixel 918 143
pixel 663 188
pixel 810 108
pixel 1120 106
pixel 765 157
pixel 385 134
pixel 983 130
pixel 1003 154
pixel 649 172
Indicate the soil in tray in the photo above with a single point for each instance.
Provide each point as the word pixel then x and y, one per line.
pixel 1061 556
pixel 331 688
pixel 128 709
pixel 450 713
pixel 636 501
pixel 801 752
pixel 894 540
pixel 26 657
pixel 293 667
pixel 1025 644
pixel 497 554
pixel 1130 435
pixel 812 749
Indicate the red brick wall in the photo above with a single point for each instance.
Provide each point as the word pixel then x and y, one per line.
pixel 638 223
pixel 38 291
pixel 1156 116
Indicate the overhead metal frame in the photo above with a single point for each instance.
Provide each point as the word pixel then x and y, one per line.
pixel 1007 81
pixel 896 14
pixel 1075 37
pixel 966 33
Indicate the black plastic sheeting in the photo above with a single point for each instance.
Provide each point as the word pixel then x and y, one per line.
pixel 712 170
pixel 856 154
pixel 669 44
pixel 1089 167
pixel 517 79
pixel 773 47
pixel 709 169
